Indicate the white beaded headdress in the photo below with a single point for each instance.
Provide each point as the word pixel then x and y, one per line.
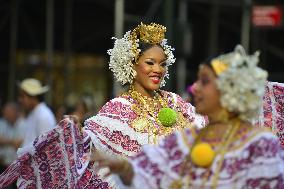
pixel 126 51
pixel 241 82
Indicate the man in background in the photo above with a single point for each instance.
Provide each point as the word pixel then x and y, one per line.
pixel 39 118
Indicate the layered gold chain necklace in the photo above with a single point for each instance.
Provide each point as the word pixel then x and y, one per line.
pixel 147 110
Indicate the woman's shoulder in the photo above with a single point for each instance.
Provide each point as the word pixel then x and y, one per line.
pixel 117 102
pixel 261 131
pixel 265 135
pixel 119 107
pixel 169 94
pixel 124 99
pixel 256 137
pixel 175 98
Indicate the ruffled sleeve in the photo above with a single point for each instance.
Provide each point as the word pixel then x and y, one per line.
pixel 272 111
pixel 264 163
pixel 158 166
pixel 55 159
pixel 111 131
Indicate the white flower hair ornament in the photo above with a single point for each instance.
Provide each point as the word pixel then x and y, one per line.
pixel 241 82
pixel 126 51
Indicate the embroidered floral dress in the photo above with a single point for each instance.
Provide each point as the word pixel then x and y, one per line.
pixel 272 113
pixel 122 126
pixel 60 158
pixel 255 159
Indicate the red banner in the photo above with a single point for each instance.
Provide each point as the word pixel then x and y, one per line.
pixel 267 16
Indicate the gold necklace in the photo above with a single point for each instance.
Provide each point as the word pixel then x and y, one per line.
pixel 222 149
pixel 152 105
pixel 147 110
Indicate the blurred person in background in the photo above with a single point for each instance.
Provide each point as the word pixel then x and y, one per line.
pixel 84 108
pixel 60 112
pixel 38 116
pixel 228 153
pixel 11 134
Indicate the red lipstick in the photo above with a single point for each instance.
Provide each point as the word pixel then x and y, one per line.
pixel 155 81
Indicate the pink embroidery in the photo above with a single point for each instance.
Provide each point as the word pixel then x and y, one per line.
pixel 258 152
pixel 273 109
pixel 59 155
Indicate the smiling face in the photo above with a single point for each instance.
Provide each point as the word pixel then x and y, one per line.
pixel 151 68
pixel 206 96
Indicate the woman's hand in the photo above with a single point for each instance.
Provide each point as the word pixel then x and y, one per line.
pixel 116 164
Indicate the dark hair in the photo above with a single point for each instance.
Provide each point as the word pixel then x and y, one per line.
pixel 207 62
pixel 40 97
pixel 145 46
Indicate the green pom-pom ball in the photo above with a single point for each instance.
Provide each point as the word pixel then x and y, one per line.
pixel 167 117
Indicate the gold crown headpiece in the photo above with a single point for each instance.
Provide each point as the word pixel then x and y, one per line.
pixel 152 33
pixel 126 51
pixel 148 33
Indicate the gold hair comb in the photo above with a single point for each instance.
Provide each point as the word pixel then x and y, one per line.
pixel 219 66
